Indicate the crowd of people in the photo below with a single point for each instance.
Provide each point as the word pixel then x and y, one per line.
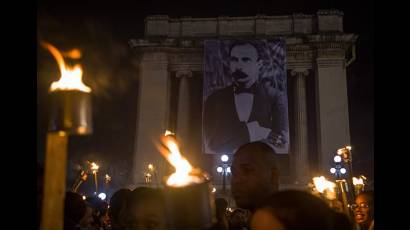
pixel 260 205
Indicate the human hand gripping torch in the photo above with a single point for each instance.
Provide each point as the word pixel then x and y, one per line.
pixel 70 115
pixel 188 193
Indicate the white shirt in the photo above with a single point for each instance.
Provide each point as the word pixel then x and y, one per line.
pixel 243 105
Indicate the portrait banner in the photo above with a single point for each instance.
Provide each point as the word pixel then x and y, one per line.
pixel 244 95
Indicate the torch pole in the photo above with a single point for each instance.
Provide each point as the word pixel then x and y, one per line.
pixel 54 181
pixel 71 114
pixel 77 181
pixel 77 186
pixel 96 182
pixel 344 197
pixel 224 181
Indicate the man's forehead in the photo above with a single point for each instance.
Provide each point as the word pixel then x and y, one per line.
pixel 248 158
pixel 244 50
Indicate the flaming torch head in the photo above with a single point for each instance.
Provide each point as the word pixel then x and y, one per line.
pixel 107 179
pixel 184 173
pixel 94 167
pixel 358 184
pixel 151 167
pixel 187 192
pixel 325 187
pixel 70 98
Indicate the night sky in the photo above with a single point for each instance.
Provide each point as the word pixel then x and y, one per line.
pixel 101 30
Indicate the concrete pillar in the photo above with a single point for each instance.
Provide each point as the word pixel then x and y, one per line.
pixel 183 112
pixel 152 114
pixel 331 108
pixel 299 157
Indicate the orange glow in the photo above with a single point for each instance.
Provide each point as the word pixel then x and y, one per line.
pixel 94 167
pixel 358 181
pixel 150 167
pixel 71 77
pixel 324 186
pixel 184 173
pixel 167 133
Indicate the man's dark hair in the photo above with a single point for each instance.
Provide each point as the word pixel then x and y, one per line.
pixel 74 207
pixel 145 193
pixel 247 42
pixel 117 201
pixel 301 210
pixel 369 195
pixel 97 205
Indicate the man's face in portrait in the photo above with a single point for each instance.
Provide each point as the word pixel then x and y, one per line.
pixel 244 65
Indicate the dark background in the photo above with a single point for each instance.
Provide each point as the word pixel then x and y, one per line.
pixel 101 30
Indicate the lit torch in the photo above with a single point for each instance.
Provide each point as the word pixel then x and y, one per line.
pixel 70 115
pixel 328 193
pixel 107 179
pixel 187 191
pixel 359 184
pixel 94 167
pixel 325 187
pixel 82 177
pixel 70 98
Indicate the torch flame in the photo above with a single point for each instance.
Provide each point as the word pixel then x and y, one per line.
pixel 94 167
pixel 167 133
pixel 322 184
pixel 71 77
pixel 150 167
pixel 358 181
pixel 184 173
pixel 326 187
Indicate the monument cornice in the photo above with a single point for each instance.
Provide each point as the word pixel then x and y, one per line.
pixel 297 23
pixel 196 44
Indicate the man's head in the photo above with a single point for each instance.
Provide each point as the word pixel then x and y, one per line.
pixel 294 209
pixel 244 64
pixel 145 209
pixel 254 174
pixel 74 208
pixel 117 204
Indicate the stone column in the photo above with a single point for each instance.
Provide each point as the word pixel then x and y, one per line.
pixel 331 107
pixel 152 113
pixel 300 160
pixel 183 112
